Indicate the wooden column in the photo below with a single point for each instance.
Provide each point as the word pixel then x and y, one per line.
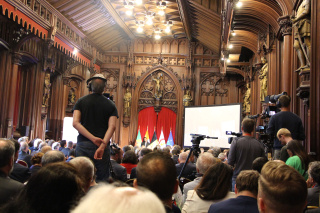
pixel 315 79
pixel 12 96
pixel 286 64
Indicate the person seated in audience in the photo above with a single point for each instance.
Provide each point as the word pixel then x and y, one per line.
pixel 19 173
pixel 54 188
pixel 23 154
pixel 30 144
pixel 292 197
pixel 223 157
pixel 120 172
pixel 176 149
pixel 63 144
pixel 313 184
pixel 45 149
pixel 8 188
pixel 55 146
pixel 50 142
pixel 52 157
pixel 258 163
pixel 111 199
pixel 72 154
pixel 190 169
pixel 36 146
pixel 157 172
pixel 204 161
pixel 284 136
pixel 299 158
pixel 213 187
pixel 215 151
pixel 129 161
pixel 67 149
pixel 142 153
pixel 36 163
pixel 126 148
pixel 246 189
pixel 85 168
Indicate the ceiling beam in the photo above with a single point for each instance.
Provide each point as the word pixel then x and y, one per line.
pixel 117 18
pixel 184 14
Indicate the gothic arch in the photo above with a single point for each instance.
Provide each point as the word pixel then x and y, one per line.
pixel 178 95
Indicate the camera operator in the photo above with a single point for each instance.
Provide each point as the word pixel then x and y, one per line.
pixel 284 119
pixel 244 150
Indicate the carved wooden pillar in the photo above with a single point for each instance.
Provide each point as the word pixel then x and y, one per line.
pixel 286 65
pixel 315 79
pixel 12 96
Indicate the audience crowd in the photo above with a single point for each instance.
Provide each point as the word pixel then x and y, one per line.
pixel 45 176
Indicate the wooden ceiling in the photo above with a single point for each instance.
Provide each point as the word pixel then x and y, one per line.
pixel 106 23
pixel 209 22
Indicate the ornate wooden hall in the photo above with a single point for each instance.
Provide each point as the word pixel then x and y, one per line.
pixel 161 54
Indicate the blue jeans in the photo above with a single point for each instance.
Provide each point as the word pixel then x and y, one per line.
pixel 233 182
pixel 87 149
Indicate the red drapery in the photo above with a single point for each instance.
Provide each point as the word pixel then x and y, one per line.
pixel 147 119
pixel 165 120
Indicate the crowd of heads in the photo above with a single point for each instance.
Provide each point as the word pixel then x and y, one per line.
pixel 279 187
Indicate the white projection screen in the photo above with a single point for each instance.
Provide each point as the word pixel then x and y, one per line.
pixel 212 121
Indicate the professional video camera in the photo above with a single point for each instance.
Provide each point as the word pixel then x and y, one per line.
pixel 271 110
pixel 233 133
pixel 196 139
pixel 264 138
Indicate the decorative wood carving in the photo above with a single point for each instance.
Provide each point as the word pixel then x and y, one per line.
pixel 169 93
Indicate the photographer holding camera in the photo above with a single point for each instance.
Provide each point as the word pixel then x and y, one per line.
pixel 244 150
pixel 284 119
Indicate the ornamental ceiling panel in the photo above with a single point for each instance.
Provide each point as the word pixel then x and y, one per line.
pixel 93 19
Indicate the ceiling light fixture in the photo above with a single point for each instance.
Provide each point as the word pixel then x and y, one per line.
pixel 230 46
pixel 233 33
pixel 149 17
pixel 157 36
pixel 140 25
pixel 168 29
pixel 139 29
pixel 128 5
pixel 161 5
pixel 129 12
pixel 228 60
pixel 138 2
pixel 161 12
pixel 239 4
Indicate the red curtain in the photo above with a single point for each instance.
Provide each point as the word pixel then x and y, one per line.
pixel 147 119
pixel 166 119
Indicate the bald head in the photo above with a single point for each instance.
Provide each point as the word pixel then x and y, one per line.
pixel 52 157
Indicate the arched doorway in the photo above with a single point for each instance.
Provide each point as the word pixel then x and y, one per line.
pixel 165 93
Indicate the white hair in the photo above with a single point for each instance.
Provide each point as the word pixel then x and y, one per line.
pixel 36 142
pixel 204 161
pixel 54 145
pixel 110 199
pixel 85 168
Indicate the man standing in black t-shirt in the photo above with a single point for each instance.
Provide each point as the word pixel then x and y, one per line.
pixel 285 119
pixel 95 118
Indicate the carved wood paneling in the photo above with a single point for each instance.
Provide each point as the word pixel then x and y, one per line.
pixel 168 88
